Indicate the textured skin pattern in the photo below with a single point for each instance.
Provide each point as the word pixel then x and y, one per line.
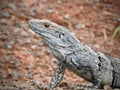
pixel 59 73
pixel 75 56
pixel 116 72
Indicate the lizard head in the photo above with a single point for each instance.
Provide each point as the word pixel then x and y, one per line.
pixel 53 34
pixel 46 28
pixel 56 36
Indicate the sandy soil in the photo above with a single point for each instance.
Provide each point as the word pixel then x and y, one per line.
pixel 23 54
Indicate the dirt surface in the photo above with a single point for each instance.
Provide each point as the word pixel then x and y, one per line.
pixel 23 54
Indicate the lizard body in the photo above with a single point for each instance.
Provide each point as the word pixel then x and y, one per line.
pixel 73 55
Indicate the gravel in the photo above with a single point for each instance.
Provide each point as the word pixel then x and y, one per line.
pixel 12 6
pixel 6 14
pixel 79 26
pixel 66 16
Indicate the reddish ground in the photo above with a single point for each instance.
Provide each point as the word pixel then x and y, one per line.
pixel 23 54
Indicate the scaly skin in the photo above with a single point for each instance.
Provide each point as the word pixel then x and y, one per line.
pixel 75 56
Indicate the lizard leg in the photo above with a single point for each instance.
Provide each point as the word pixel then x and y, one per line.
pixel 59 73
pixel 96 78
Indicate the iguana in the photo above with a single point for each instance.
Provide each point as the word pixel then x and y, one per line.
pixel 73 55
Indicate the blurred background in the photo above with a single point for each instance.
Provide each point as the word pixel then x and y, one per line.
pixel 23 54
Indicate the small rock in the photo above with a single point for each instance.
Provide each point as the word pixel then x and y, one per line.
pixel 97 46
pixel 6 14
pixel 12 42
pixel 23 33
pixel 64 84
pixel 89 2
pixel 17 47
pixel 12 6
pixel 44 0
pixel 33 47
pixel 29 74
pixel 6 59
pixel 49 10
pixel 41 43
pixel 29 3
pixel 22 25
pixel 81 7
pixel 31 13
pixel 109 5
pixel 21 5
pixel 29 67
pixel 3 37
pixel 27 41
pixel 2 65
pixel 73 33
pixel 3 21
pixel 1 45
pixel 40 85
pixel 17 63
pixel 79 26
pixel 67 16
pixel 4 75
pixel 9 46
pixel 118 19
pixel 9 71
pixel 20 41
pixel 47 51
pixel 15 75
pixel 16 30
pixel 107 87
pixel 47 74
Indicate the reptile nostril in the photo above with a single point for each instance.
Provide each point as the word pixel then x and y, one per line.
pixel 61 35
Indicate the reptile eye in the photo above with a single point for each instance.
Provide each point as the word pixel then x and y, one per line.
pixel 46 25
